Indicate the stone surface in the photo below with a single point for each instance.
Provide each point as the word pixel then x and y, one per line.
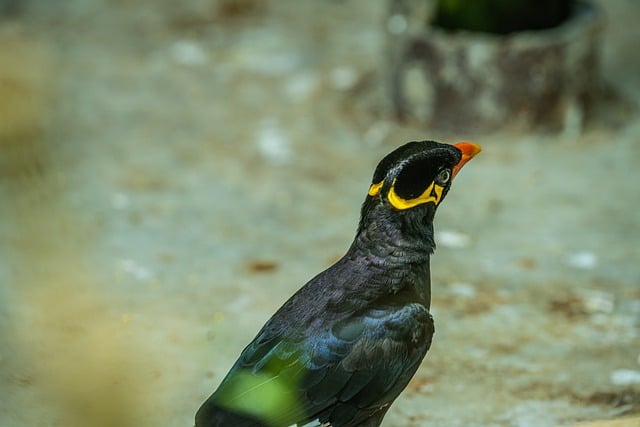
pixel 206 158
pixel 477 81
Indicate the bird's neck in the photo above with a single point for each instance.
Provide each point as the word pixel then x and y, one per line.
pixel 398 262
pixel 382 244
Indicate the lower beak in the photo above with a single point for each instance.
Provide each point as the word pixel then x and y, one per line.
pixel 469 150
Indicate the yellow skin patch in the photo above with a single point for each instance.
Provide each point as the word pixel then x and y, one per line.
pixel 374 190
pixel 433 193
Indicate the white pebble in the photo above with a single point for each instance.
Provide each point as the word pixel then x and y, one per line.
pixel 585 260
pixel 120 201
pixel 397 24
pixel 598 301
pixel 300 86
pixel 343 78
pixel 625 377
pixel 273 143
pixel 136 270
pixel 463 289
pixel 453 239
pixel 187 52
pixel 377 133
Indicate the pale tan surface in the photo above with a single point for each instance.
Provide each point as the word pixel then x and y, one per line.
pixel 191 172
pixel 623 422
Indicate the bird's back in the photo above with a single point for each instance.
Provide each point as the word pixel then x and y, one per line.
pixel 327 356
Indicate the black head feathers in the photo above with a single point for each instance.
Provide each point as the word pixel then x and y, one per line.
pixel 419 172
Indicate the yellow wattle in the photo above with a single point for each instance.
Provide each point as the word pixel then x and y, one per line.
pixel 426 197
pixel 374 190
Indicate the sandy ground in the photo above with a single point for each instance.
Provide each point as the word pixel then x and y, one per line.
pixel 183 167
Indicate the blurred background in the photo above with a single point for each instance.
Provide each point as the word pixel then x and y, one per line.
pixel 171 172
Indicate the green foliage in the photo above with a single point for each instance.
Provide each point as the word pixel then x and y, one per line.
pixel 500 16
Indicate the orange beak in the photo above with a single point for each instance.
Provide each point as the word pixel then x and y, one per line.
pixel 469 150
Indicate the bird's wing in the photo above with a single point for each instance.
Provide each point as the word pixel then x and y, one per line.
pixel 336 373
pixel 367 360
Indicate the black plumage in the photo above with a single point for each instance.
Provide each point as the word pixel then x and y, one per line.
pixel 344 346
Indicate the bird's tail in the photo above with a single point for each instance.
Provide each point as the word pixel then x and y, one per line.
pixel 211 414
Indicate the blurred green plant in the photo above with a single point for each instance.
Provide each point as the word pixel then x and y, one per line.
pixel 500 16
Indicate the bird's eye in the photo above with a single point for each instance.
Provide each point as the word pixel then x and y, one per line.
pixel 443 177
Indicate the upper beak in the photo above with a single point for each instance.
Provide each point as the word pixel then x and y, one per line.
pixel 469 150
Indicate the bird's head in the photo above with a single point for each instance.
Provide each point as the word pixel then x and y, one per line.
pixel 410 183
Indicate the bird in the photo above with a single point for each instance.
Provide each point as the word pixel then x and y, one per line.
pixel 346 344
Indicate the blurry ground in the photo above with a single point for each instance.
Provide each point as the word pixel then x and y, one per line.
pixel 172 171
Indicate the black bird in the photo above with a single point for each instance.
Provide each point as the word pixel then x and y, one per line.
pixel 342 348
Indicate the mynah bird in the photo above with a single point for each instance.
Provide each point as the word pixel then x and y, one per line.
pixel 343 347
